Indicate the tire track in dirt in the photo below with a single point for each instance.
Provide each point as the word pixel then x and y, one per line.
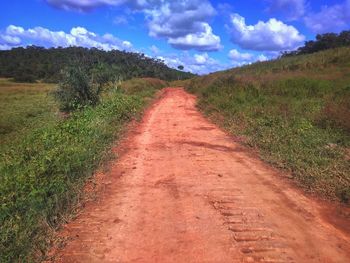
pixel 184 191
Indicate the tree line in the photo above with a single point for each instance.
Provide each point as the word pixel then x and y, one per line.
pixel 34 63
pixel 322 42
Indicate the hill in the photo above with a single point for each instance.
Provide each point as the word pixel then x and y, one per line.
pixel 294 110
pixel 37 63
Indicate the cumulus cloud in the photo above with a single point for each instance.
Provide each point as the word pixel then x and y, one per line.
pixel 240 58
pixel 154 49
pixel 179 18
pixel 272 35
pixel 201 40
pixel 333 18
pixel 83 5
pixel 234 54
pixel 290 9
pixel 183 23
pixel 200 63
pixel 201 58
pixel 78 36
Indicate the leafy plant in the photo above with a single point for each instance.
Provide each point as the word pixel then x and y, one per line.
pixel 77 90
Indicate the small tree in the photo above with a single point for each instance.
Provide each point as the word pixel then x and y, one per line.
pixel 180 67
pixel 76 89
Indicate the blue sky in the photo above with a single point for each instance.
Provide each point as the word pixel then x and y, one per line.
pixel 202 35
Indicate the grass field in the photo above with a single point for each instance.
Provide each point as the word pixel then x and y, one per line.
pixel 295 110
pixel 24 106
pixel 46 159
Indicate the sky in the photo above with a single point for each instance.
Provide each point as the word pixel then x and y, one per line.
pixel 202 35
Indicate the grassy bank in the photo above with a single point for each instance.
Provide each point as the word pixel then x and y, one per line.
pixel 42 174
pixel 294 110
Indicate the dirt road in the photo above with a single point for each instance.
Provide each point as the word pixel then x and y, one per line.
pixel 184 191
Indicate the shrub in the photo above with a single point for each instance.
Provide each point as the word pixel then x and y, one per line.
pixel 76 89
pixel 24 77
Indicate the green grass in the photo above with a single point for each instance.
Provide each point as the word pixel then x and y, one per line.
pixel 23 107
pixel 294 110
pixel 43 173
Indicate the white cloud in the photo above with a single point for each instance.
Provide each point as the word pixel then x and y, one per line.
pixel 78 36
pixel 200 63
pixel 201 58
pixel 183 23
pixel 154 49
pixel 179 18
pixel 333 18
pixel 10 40
pixel 83 5
pixel 120 20
pixel 5 47
pixel 234 54
pixel 201 40
pixel 272 35
pixel 240 59
pixel 290 9
pixel 262 57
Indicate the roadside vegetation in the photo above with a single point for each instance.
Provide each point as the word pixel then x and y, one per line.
pixel 48 155
pixel 295 110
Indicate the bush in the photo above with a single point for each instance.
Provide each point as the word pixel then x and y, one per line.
pixel 24 77
pixel 76 89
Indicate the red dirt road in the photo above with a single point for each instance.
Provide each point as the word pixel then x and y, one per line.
pixel 184 191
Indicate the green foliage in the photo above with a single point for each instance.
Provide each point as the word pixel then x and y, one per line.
pixel 322 42
pixel 42 174
pixel 76 89
pixel 37 63
pixel 24 106
pixel 295 110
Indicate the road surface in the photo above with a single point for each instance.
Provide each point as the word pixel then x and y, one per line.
pixel 185 191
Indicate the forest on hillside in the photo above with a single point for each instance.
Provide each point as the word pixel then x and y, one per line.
pixel 38 63
pixel 322 42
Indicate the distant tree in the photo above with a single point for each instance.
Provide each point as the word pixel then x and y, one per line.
pixel 322 42
pixel 37 63
pixel 180 67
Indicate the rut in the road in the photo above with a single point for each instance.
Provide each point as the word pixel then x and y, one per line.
pixel 184 191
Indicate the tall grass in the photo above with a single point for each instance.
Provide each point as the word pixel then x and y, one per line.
pixel 42 174
pixel 294 110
